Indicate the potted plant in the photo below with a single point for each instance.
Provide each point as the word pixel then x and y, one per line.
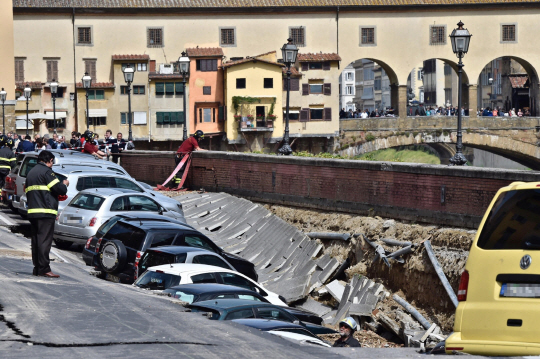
pixel 250 118
pixel 237 117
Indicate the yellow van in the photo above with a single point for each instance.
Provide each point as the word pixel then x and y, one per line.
pixel 499 293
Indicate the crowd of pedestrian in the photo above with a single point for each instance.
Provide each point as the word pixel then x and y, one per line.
pixel 389 112
pixel 497 111
pixel 110 145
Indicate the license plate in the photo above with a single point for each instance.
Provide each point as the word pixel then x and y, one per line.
pixel 112 278
pixel 520 290
pixel 74 220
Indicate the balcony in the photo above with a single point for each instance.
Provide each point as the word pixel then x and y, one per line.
pixel 260 124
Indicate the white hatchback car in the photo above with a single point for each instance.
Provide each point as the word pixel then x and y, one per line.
pixel 184 273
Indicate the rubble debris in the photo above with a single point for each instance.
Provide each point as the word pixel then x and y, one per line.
pixel 415 313
pixel 315 307
pixel 336 289
pixel 400 252
pixel 326 235
pixel 396 243
pixel 440 273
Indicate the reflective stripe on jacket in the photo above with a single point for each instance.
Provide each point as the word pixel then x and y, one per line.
pixel 7 158
pixel 42 191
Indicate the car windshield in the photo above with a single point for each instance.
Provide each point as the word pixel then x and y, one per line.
pixel 130 236
pixel 157 280
pixel 155 258
pixel 87 201
pixel 297 331
pixel 27 165
pixel 513 222
pixel 183 296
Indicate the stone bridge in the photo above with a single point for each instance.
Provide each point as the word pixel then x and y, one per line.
pixel 516 138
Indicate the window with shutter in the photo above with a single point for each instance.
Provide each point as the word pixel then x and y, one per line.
pixel 159 118
pixel 166 117
pixel 155 37
pixel 305 89
pixel 221 113
pixel 367 36
pixel 295 84
pixel 305 66
pixel 326 66
pixel 169 88
pixel 207 90
pixel 327 89
pixel 508 33
pixel 327 114
pixel 19 70
pixel 437 35
pixel 90 68
pixel 180 119
pixel 160 88
pixel 84 35
pixel 227 36
pixel 179 86
pixel 304 115
pixel 297 34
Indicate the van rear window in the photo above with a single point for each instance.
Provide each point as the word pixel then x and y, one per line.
pixel 514 222
pixel 130 236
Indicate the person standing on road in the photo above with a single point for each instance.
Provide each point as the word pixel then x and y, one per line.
pixel 42 191
pixel 188 146
pixel 7 159
pixel 347 327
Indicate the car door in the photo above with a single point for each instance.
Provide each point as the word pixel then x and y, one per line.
pixel 211 260
pixel 237 281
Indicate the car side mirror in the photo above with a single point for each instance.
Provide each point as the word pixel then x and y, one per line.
pixel 161 210
pixel 297 322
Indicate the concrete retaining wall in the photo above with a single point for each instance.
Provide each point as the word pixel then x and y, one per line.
pixel 422 193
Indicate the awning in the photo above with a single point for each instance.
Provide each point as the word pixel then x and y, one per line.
pixel 59 114
pixel 97 112
pixel 32 116
pixel 21 125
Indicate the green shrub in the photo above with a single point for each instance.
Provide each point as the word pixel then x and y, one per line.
pixel 370 137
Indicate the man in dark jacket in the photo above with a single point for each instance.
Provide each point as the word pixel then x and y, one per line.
pixel 26 145
pixel 117 145
pixel 347 327
pixel 42 191
pixel 7 159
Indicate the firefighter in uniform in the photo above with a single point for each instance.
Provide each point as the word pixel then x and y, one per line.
pixel 347 327
pixel 7 158
pixel 188 146
pixel 42 191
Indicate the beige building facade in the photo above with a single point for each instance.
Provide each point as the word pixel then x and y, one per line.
pixel 397 35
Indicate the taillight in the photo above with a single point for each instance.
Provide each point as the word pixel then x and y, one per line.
pixel 463 287
pixel 92 222
pixel 98 245
pixel 88 243
pixel 136 265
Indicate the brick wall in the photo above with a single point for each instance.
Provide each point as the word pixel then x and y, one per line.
pixel 456 196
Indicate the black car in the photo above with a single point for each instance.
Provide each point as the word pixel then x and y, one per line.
pixel 229 309
pixel 119 244
pixel 192 293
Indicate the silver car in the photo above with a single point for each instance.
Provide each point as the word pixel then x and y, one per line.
pixel 84 177
pixel 62 159
pixel 90 208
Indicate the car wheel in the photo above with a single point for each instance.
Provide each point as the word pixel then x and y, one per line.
pixel 60 244
pixel 113 256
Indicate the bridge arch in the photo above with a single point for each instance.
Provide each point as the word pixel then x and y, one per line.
pixel 527 154
pixel 379 91
pixel 509 82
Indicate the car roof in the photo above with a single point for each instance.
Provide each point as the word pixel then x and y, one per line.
pixel 110 191
pixel 89 171
pixel 190 268
pixel 231 303
pixel 267 324
pixel 153 225
pixel 177 249
pixel 206 288
pixel 60 153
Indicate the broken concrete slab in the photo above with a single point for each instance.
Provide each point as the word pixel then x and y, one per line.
pixel 315 307
pixel 335 289
pixel 329 318
pixel 361 310
pixel 341 313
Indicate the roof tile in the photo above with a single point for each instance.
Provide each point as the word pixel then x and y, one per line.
pixel 309 57
pixel 130 57
pixel 249 59
pixel 205 52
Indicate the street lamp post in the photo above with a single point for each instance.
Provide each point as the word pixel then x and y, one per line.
pixel 183 65
pixel 87 82
pixel 27 94
pixel 3 99
pixel 289 52
pixel 54 90
pixel 128 77
pixel 460 39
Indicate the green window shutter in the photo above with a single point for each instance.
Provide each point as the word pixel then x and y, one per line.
pixel 174 118
pixel 169 88
pixel 221 113
pixel 123 118
pixel 160 88
pixel 100 94
pixel 159 118
pixel 166 117
pixel 179 87
pixel 91 94
pixel 181 118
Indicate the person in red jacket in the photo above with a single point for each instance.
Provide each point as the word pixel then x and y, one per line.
pixel 90 147
pixel 188 146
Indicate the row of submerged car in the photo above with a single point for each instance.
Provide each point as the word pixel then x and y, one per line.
pixel 132 234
